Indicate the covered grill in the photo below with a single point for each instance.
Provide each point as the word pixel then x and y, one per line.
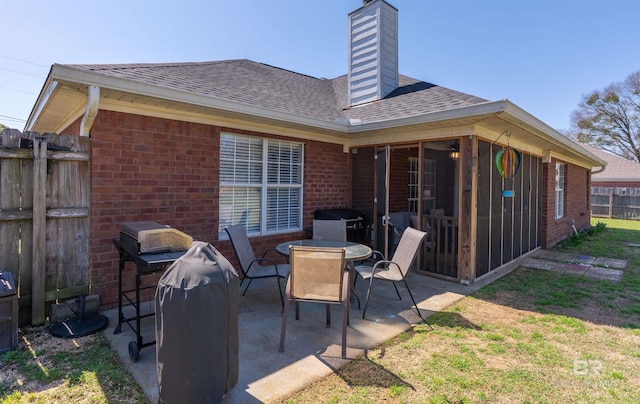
pixel 356 226
pixel 151 237
pixel 197 327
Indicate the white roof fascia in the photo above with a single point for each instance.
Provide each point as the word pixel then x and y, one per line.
pixel 552 135
pixel 80 76
pixel 485 108
pixel 47 89
pixel 505 108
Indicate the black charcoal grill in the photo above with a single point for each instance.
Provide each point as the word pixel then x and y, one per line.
pixel 152 247
pixel 356 225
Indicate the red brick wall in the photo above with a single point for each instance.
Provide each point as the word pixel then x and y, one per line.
pixel 399 179
pixel 146 168
pixel 363 186
pixel 577 203
pixel 325 178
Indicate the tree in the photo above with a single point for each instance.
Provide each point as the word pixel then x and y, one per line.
pixel 609 119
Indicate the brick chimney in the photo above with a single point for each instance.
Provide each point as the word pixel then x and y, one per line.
pixel 373 51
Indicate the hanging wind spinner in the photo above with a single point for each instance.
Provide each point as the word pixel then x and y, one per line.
pixel 508 163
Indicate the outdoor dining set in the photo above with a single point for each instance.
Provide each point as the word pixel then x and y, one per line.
pixel 325 268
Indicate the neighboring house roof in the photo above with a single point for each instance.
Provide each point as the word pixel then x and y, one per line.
pixel 618 169
pixel 270 87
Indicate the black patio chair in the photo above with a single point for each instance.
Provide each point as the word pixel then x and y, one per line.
pixel 253 267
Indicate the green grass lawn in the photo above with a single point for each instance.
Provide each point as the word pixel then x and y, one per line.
pixel 533 336
pixel 617 223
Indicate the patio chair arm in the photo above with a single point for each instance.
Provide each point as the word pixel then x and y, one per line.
pixel 264 254
pixel 260 259
pixel 374 257
pixel 385 264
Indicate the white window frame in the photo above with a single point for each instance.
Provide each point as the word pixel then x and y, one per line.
pixel 414 186
pixel 560 186
pixel 428 185
pixel 261 184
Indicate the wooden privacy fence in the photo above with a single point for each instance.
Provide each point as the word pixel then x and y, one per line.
pixel 617 203
pixel 44 217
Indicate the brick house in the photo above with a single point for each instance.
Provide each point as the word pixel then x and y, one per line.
pixel 618 173
pixel 200 146
pixel 615 188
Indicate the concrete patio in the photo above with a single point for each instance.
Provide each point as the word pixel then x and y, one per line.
pixel 312 351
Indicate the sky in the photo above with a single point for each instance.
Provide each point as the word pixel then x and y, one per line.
pixel 542 55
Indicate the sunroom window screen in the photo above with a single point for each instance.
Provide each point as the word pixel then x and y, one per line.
pixel 559 190
pixel 268 203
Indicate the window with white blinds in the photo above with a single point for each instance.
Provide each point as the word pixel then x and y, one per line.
pixel 260 184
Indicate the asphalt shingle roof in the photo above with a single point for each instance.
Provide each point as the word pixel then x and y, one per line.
pixel 618 168
pixel 282 90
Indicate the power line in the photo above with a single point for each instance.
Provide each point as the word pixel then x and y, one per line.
pixel 19 72
pixel 19 91
pixel 24 61
pixel 10 118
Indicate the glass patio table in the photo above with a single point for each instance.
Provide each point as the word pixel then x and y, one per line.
pixel 352 252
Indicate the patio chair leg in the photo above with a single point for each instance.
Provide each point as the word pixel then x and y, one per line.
pixel 397 292
pixel 248 284
pixel 353 290
pixel 285 315
pixel 348 312
pixel 413 300
pixel 345 321
pixel 280 290
pixel 328 315
pixel 366 300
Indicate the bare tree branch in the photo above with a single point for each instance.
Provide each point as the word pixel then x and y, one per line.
pixel 609 119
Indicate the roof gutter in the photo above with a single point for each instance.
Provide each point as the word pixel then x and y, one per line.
pixel 504 108
pixel 44 96
pixel 548 133
pixel 476 110
pixel 90 78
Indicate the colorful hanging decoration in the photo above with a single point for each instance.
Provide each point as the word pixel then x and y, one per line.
pixel 508 164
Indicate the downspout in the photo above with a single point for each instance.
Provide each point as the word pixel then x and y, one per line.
pixel 599 170
pixel 93 101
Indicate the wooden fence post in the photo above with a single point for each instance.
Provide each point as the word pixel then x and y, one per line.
pixel 610 203
pixel 39 229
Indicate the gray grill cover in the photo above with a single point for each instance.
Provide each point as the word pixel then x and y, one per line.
pixel 197 327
